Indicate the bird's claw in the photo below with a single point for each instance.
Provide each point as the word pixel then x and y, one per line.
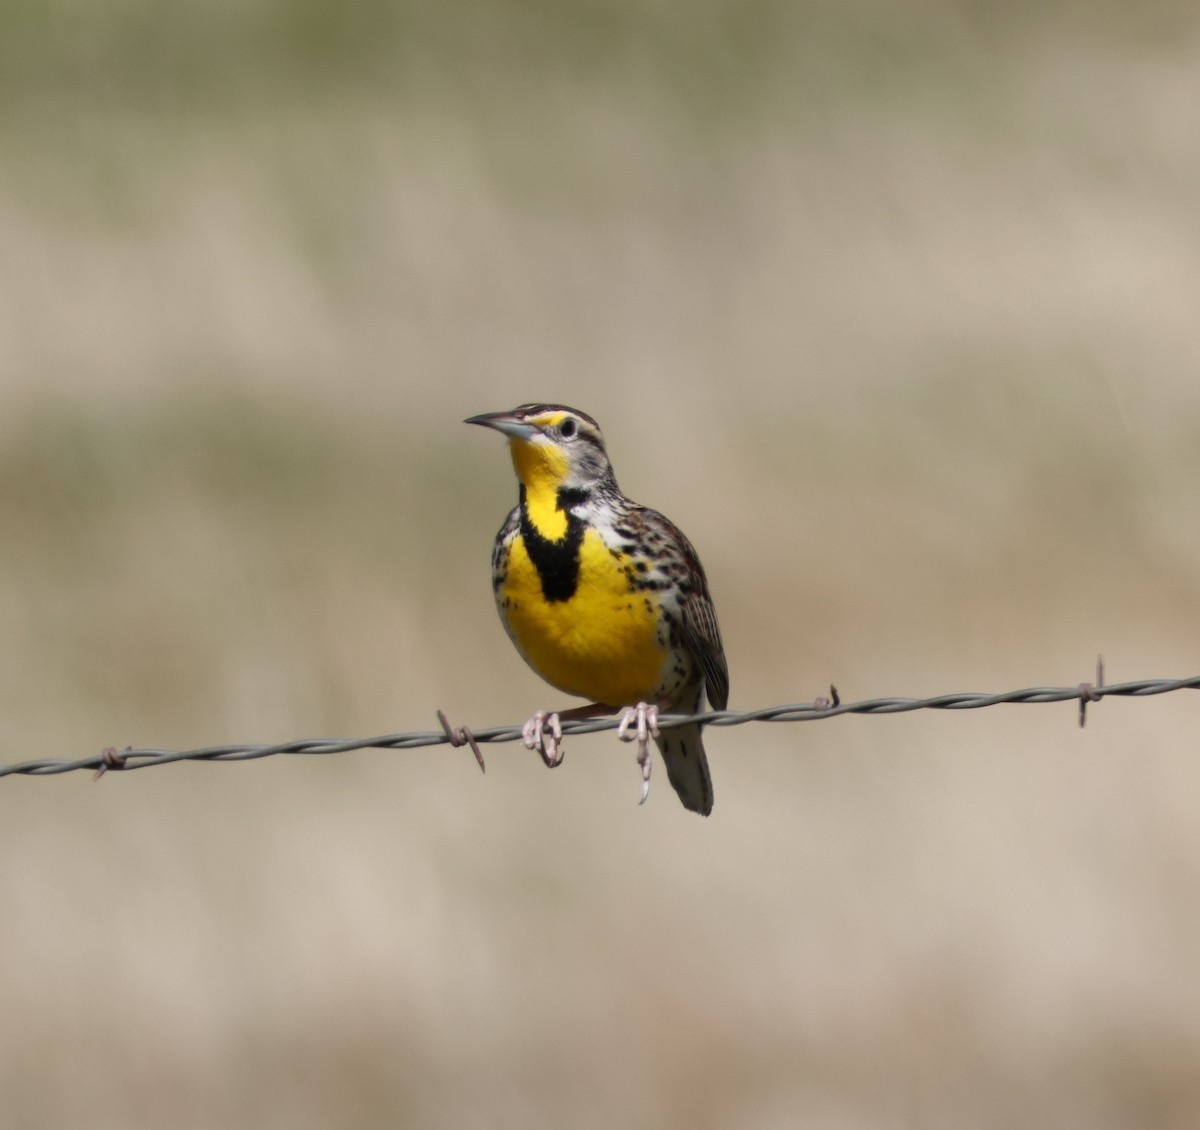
pixel 645 715
pixel 543 732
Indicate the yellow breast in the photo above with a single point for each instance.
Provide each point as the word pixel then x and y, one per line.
pixel 602 644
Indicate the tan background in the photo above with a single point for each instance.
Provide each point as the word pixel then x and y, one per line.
pixel 894 307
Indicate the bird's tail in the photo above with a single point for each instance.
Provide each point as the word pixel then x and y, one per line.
pixel 682 749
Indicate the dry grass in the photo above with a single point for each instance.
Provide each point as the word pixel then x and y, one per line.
pixel 911 298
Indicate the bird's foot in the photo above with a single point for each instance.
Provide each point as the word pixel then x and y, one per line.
pixel 543 732
pixel 640 723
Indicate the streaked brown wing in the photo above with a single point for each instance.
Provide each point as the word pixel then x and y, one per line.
pixel 702 638
pixel 700 633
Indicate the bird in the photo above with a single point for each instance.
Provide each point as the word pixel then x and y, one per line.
pixel 604 598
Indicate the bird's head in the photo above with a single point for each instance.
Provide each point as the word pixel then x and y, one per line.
pixel 556 450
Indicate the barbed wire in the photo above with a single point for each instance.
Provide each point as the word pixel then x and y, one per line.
pixel 821 708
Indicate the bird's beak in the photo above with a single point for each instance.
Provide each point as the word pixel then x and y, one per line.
pixel 505 422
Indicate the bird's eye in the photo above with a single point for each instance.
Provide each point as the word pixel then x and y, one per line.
pixel 567 428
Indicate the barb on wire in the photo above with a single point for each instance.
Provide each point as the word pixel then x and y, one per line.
pixel 112 760
pixel 462 736
pixel 1090 692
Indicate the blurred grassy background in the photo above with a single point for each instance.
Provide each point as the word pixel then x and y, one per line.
pixel 892 306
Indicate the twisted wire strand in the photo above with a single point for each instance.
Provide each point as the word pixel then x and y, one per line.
pixel 1084 693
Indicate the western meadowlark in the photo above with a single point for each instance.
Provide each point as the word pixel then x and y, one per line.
pixel 603 598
